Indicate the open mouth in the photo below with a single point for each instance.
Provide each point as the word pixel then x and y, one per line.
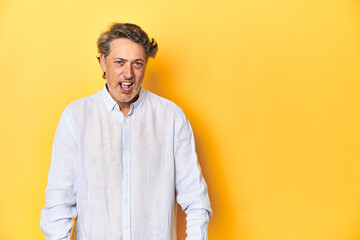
pixel 126 85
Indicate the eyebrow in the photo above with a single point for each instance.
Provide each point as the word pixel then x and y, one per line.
pixel 126 60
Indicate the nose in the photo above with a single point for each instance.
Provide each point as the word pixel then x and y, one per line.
pixel 128 72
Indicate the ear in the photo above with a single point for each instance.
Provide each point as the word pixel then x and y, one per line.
pixel 102 62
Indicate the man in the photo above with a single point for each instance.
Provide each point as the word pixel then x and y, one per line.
pixel 122 157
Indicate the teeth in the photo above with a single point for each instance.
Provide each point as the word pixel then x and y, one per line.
pixel 125 85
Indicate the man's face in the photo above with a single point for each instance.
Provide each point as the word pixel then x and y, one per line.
pixel 125 69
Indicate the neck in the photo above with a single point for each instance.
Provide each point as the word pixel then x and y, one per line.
pixel 125 106
pixel 125 110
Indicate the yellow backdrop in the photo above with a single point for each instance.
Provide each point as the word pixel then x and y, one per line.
pixel 270 87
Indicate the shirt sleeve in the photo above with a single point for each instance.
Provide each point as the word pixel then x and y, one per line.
pixel 191 189
pixel 60 195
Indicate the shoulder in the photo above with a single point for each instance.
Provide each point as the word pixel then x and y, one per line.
pixel 163 104
pixel 166 111
pixel 83 104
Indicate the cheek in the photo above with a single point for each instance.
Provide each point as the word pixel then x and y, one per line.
pixel 112 73
pixel 111 79
pixel 140 76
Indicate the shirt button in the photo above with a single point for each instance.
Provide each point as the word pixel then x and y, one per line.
pixel 125 123
pixel 125 148
pixel 126 227
pixel 126 200
pixel 126 174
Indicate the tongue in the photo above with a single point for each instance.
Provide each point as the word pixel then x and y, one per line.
pixel 125 87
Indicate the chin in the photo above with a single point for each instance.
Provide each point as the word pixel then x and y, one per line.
pixel 126 99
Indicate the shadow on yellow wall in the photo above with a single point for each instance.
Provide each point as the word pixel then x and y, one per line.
pixel 159 80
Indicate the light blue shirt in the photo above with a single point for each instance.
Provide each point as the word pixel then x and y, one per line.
pixel 122 176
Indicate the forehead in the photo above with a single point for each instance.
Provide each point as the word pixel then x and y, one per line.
pixel 123 47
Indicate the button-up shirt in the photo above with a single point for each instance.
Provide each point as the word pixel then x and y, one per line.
pixel 121 176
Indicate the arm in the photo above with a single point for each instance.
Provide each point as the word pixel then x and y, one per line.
pixel 60 195
pixel 191 190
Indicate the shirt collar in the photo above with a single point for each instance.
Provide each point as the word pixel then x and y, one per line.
pixel 111 104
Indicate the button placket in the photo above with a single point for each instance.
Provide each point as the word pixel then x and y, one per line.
pixel 126 180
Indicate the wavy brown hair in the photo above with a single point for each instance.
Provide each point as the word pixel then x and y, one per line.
pixel 130 31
